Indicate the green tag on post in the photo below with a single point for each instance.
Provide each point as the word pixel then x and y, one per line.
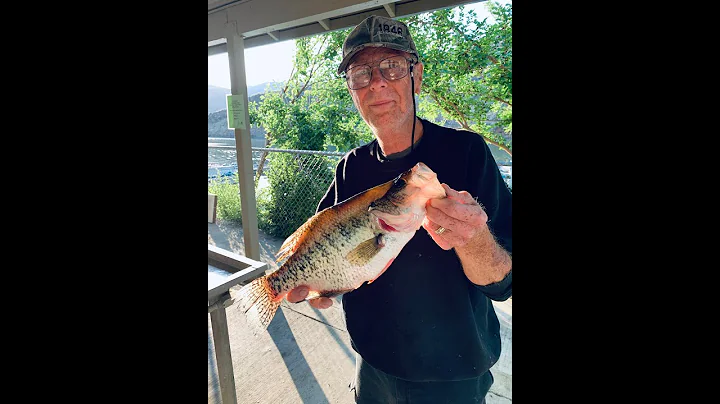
pixel 235 111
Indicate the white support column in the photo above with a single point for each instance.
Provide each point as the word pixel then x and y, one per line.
pixel 238 86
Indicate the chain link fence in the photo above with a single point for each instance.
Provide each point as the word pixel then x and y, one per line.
pixel 288 184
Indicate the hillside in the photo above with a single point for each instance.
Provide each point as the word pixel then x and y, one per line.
pixel 217 126
pixel 217 120
pixel 216 98
pixel 216 95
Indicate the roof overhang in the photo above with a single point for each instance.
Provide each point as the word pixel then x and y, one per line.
pixel 262 22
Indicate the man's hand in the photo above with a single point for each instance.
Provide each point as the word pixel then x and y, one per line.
pixel 300 293
pixel 464 222
pixel 459 214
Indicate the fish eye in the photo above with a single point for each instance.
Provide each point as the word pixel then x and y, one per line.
pixel 399 184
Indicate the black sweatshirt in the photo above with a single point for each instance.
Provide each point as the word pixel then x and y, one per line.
pixel 423 320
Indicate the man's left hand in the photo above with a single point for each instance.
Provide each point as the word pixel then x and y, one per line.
pixel 459 214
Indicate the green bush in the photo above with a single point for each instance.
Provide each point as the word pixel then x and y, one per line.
pixel 228 198
pixel 297 183
pixel 263 202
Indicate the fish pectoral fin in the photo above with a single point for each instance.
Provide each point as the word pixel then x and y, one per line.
pixel 365 251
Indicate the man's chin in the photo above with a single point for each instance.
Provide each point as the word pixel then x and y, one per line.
pixel 386 120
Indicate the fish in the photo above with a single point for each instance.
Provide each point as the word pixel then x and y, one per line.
pixel 342 247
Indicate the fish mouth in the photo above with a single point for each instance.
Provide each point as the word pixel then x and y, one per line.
pixel 391 223
pixel 383 224
pixel 402 208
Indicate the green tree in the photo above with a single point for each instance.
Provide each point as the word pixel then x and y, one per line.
pixel 314 111
pixel 468 69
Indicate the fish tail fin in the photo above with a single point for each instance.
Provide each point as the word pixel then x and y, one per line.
pixel 257 301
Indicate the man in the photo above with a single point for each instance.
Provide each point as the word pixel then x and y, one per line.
pixel 425 331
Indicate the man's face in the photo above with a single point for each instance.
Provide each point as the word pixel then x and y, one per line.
pixel 384 104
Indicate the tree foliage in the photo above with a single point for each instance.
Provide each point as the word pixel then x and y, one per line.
pixel 314 111
pixel 467 73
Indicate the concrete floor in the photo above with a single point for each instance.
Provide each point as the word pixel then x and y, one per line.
pixel 305 356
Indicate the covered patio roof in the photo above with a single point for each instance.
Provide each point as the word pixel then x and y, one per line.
pixel 262 22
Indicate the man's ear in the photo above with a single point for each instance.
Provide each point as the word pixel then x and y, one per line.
pixel 417 75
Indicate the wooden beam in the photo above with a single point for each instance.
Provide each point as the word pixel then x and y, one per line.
pixel 248 203
pixel 217 49
pixel 325 24
pixel 390 8
pixel 273 35
pixel 259 17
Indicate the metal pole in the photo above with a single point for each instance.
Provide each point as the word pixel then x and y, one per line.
pixel 238 86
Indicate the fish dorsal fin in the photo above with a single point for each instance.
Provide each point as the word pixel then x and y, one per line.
pixel 299 236
pixel 291 244
pixel 365 251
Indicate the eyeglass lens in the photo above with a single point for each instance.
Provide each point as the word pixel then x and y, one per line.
pixel 393 68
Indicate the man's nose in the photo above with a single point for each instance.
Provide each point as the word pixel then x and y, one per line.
pixel 377 80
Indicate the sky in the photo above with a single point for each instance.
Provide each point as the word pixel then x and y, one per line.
pixel 274 62
pixel 262 64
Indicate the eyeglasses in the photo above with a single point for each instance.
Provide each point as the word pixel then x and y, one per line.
pixel 392 68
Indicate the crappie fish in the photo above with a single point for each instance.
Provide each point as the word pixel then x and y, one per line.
pixel 340 248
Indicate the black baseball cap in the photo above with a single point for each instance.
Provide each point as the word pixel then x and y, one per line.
pixel 377 31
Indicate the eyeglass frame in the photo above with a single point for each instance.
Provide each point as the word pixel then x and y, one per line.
pixel 408 69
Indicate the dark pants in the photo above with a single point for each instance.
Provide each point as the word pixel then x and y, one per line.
pixel 373 386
